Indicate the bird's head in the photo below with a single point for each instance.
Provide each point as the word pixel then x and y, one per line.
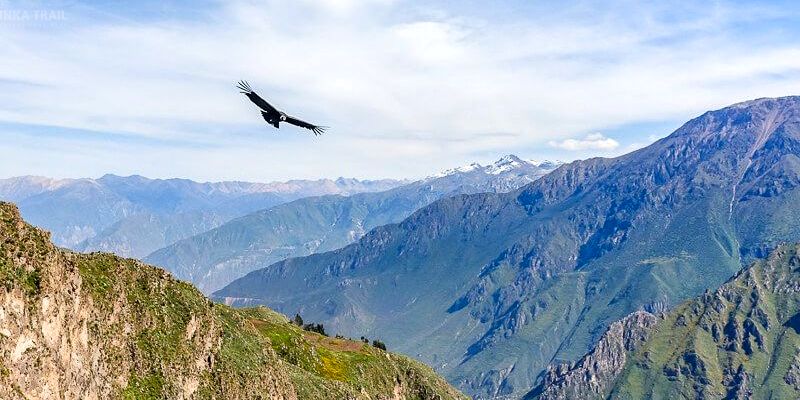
pixel 283 117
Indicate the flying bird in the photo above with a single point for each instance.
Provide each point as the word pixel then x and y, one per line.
pixel 272 115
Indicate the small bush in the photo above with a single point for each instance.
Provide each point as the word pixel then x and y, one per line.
pixel 378 344
pixel 318 328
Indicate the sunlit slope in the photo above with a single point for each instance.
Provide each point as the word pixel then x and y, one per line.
pixel 97 326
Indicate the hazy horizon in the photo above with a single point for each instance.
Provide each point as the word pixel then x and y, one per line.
pixel 331 178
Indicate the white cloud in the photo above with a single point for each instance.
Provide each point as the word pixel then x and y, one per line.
pixel 633 146
pixel 594 141
pixel 385 75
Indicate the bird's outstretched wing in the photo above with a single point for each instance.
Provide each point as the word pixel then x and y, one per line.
pixel 318 130
pixel 260 102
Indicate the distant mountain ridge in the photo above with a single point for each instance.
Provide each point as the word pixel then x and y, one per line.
pixel 490 288
pixel 104 213
pixel 213 259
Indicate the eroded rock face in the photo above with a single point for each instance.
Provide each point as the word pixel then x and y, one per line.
pixel 592 375
pixel 793 375
pixel 61 340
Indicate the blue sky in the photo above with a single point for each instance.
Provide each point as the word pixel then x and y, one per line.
pixel 408 87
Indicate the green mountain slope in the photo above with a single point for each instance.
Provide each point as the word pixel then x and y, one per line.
pixel 142 233
pixel 133 216
pixel 490 288
pixel 213 259
pixel 741 341
pixel 98 326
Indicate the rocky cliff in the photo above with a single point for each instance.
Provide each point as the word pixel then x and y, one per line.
pixel 92 326
pixel 593 374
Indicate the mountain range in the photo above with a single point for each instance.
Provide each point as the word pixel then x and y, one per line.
pixel 740 341
pixel 91 326
pixel 491 288
pixel 214 258
pixel 133 216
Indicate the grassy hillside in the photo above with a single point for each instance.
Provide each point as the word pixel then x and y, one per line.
pixel 738 342
pixel 99 326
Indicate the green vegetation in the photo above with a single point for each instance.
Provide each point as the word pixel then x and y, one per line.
pixel 735 342
pixel 149 387
pixel 378 345
pixel 316 224
pixel 30 280
pixel 297 320
pixel 318 328
pixel 740 341
pixel 20 252
pixel 156 337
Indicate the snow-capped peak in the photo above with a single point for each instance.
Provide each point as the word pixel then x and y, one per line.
pixel 461 169
pixel 546 164
pixel 504 164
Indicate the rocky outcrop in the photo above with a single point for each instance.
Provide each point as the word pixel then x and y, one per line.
pixel 793 375
pixel 95 326
pixel 592 375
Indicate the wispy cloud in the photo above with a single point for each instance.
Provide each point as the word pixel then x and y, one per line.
pixel 407 87
pixel 593 141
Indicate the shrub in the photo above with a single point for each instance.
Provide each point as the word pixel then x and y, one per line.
pixel 378 344
pixel 318 328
